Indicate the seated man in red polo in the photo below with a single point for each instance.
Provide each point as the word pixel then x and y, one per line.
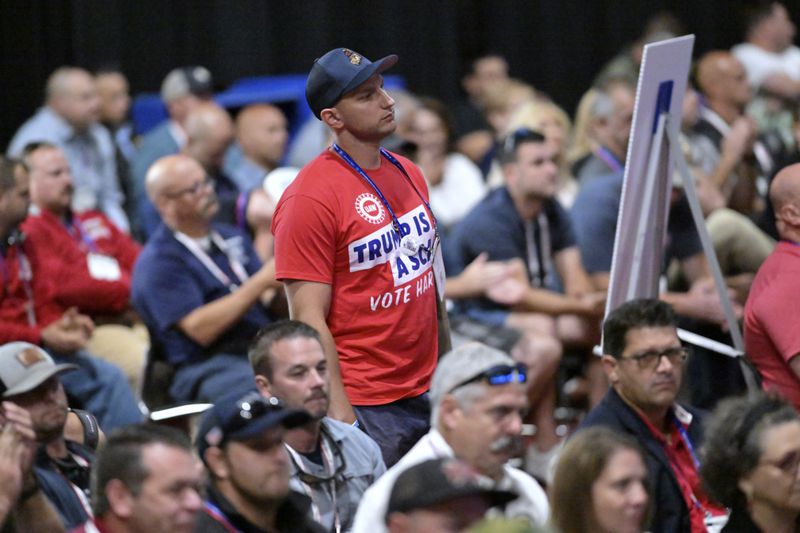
pixel 88 256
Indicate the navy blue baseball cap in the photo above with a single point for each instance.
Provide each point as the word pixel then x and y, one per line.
pixel 240 417
pixel 337 73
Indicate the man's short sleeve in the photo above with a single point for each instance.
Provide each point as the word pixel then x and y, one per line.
pixel 562 234
pixel 594 216
pixel 167 291
pixel 305 240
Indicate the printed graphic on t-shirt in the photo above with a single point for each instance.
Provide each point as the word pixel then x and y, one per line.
pixel 382 246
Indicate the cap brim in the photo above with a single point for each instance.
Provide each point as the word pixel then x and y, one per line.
pixel 288 418
pixel 37 377
pixel 376 67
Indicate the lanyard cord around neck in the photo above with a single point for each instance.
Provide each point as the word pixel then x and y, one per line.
pixel 609 159
pixel 385 153
pixel 329 454
pixel 75 229
pixel 209 263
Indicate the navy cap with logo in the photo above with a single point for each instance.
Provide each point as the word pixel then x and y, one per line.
pixel 439 481
pixel 25 366
pixel 337 73
pixel 238 417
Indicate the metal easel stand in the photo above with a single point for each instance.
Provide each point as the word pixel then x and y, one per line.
pixel 666 124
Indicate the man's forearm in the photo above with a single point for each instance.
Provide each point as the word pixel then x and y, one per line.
pixel 551 303
pixel 205 324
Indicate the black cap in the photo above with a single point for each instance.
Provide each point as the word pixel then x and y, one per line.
pixel 242 417
pixel 439 481
pixel 337 73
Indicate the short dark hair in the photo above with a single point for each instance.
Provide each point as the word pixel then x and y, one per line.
pixel 261 347
pixel 31 147
pixel 756 13
pixel 733 442
pixel 8 178
pixel 121 458
pixel 508 150
pixel 641 313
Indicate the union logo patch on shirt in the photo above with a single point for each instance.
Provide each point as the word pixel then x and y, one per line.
pixel 369 208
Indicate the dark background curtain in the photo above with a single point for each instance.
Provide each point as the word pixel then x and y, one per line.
pixel 556 45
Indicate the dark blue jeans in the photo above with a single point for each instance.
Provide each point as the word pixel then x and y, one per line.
pixel 208 380
pixel 101 388
pixel 396 426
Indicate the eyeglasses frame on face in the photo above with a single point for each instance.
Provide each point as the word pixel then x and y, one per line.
pixel 192 190
pixel 497 375
pixel 675 355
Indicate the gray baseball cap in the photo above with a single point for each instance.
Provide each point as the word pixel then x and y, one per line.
pixel 25 366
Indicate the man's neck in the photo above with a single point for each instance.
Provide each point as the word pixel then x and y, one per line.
pixel 366 153
pixel 765 43
pixel 259 513
pixel 304 439
pixel 57 448
pixel 528 208
pixel 728 112
pixel 194 229
pixel 657 416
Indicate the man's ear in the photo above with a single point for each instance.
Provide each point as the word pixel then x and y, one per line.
pixel 610 367
pixel 331 117
pixel 449 412
pixel 263 385
pixel 120 498
pixel 790 214
pixel 215 460
pixel 510 174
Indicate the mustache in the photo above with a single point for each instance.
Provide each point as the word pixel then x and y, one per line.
pixel 509 444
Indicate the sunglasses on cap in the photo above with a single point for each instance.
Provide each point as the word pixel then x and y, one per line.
pixel 251 406
pixel 498 375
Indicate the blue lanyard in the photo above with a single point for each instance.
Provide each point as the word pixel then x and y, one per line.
pixel 686 440
pixel 76 227
pixel 220 517
pixel 355 166
pixel 609 159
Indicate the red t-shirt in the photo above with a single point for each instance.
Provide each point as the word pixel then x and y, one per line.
pixel 331 227
pixel 771 323
pixel 63 256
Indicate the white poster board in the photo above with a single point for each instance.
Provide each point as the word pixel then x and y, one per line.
pixel 644 206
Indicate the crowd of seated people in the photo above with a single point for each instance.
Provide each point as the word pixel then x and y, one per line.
pixel 119 252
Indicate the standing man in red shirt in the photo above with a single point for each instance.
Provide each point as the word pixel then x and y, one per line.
pixel 355 241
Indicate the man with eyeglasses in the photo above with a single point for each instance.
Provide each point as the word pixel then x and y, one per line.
pixel 199 286
pixel 240 440
pixel 478 400
pixel 332 462
pixel 644 363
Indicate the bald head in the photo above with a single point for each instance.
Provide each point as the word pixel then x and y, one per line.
pixel 165 172
pixel 784 192
pixel 262 134
pixel 209 132
pixel 723 79
pixel 71 93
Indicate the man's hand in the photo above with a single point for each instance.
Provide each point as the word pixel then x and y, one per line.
pixel 17 449
pixel 69 333
pixel 593 303
pixel 704 303
pixel 739 141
